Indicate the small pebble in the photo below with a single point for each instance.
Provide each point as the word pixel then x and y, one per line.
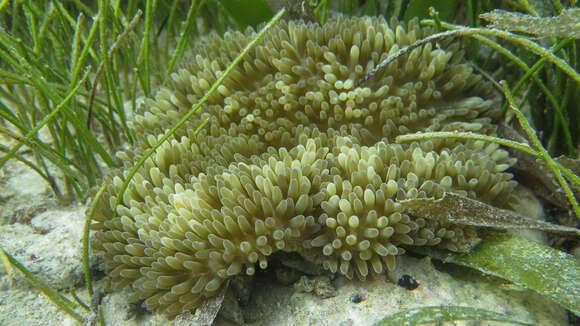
pixel 408 282
pixel 357 297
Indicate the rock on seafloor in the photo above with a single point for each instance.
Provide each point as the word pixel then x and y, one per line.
pixel 46 239
pixel 363 303
pixel 49 245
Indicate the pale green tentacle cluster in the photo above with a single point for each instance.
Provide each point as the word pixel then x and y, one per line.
pixel 296 158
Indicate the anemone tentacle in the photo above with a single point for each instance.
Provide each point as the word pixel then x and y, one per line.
pixel 295 158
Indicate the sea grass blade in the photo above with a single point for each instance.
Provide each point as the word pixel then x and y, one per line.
pixel 86 238
pixel 61 301
pixel 534 266
pixel 183 37
pixel 472 32
pixel 575 179
pixel 45 120
pixel 530 132
pixel 423 315
pixel 457 209
pixel 564 25
pixel 143 58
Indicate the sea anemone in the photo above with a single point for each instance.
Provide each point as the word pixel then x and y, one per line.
pixel 296 158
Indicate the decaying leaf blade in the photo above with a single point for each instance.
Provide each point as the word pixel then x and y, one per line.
pixel 456 209
pixel 422 315
pixel 566 25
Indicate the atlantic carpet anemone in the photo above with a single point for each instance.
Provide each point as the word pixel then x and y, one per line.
pixel 296 158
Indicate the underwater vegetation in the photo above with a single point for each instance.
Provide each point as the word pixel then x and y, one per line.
pixel 295 158
pixel 310 144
